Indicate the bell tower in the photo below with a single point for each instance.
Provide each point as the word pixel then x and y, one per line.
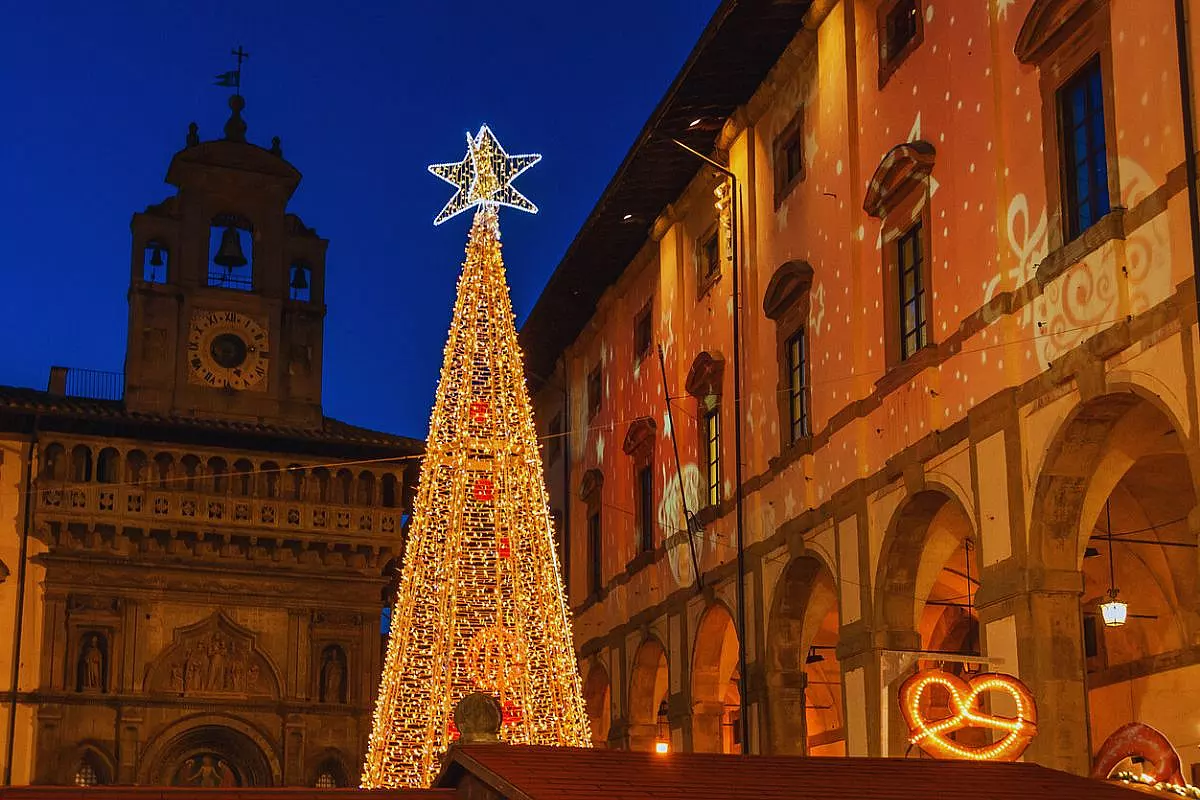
pixel 226 292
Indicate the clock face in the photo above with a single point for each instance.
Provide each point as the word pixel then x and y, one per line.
pixel 227 350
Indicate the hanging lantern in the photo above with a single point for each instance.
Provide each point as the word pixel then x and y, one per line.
pixel 663 741
pixel 1115 611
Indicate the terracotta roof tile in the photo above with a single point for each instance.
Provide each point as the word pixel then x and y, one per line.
pixel 20 400
pixel 185 793
pixel 550 773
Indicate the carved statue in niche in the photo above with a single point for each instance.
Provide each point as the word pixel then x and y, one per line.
pixel 91 664
pixel 333 674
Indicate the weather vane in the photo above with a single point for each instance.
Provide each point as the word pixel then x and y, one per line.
pixel 484 177
pixel 233 78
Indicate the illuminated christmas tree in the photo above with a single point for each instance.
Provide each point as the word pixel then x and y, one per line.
pixel 480 605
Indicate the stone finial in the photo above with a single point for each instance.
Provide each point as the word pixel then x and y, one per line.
pixel 478 719
pixel 276 147
pixel 193 137
pixel 235 128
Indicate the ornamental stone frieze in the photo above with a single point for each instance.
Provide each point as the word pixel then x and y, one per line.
pixel 215 657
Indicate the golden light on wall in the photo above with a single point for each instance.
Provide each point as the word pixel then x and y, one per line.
pixel 966 700
pixel 480 605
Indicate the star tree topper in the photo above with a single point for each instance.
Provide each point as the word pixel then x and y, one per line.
pixel 484 176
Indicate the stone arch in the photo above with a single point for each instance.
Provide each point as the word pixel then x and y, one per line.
pixel 137 468
pixel 596 698
pixel 344 493
pixel 243 477
pixel 1092 447
pixel 190 466
pixel 54 463
pixel 207 741
pixel 1115 507
pixel 108 465
pixel 715 701
pixel 269 479
pixel 927 528
pixel 77 759
pixel 81 463
pixel 804 708
pixel 330 765
pixel 218 475
pixel 649 687
pixel 365 488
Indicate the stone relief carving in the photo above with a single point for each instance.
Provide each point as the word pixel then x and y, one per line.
pixel 213 657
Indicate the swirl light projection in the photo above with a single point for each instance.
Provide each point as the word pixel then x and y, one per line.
pixel 480 605
pixel 932 735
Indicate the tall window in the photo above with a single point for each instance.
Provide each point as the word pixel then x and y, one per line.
pixel 645 508
pixel 555 445
pixel 914 325
pixel 712 455
pixel 789 157
pixel 1085 157
pixel 901 31
pixel 708 266
pixel 595 553
pixel 797 366
pixel 595 391
pixel 643 332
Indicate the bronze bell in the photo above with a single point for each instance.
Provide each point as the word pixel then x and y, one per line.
pixel 230 255
pixel 156 258
pixel 299 278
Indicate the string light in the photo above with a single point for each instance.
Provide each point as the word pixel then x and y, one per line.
pixel 932 735
pixel 480 605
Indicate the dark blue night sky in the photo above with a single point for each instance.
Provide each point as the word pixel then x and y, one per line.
pixel 98 96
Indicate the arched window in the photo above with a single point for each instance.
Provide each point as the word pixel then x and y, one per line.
pixel 91 770
pixel 295 482
pixel 136 465
pixel 345 486
pixel 164 465
pixel 81 464
pixel 54 463
pixel 320 490
pixel 366 488
pixel 191 470
pixel 156 263
pixel 269 479
pixel 218 480
pixel 300 282
pixel 389 490
pixel 243 470
pixel 107 465
pixel 231 253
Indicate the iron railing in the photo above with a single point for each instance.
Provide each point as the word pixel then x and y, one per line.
pixel 93 384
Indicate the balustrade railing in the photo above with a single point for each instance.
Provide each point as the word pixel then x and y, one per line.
pixel 190 507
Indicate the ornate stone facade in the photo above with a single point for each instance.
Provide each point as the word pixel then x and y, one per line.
pixel 968 399
pixel 206 559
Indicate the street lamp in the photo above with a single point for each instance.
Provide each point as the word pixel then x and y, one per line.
pixel 735 206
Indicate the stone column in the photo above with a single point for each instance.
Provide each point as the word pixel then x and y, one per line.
pixel 706 727
pixel 1048 626
pixel 787 720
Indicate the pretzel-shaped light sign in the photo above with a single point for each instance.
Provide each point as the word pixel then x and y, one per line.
pixel 932 735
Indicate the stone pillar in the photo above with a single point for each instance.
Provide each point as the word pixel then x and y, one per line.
pixel 1031 618
pixel 873 665
pixel 706 727
pixel 129 725
pixel 787 720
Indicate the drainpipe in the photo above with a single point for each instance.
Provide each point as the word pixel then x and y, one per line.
pixel 566 510
pixel 22 557
pixel 1189 139
pixel 734 224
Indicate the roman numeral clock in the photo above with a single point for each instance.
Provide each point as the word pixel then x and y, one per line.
pixel 228 350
